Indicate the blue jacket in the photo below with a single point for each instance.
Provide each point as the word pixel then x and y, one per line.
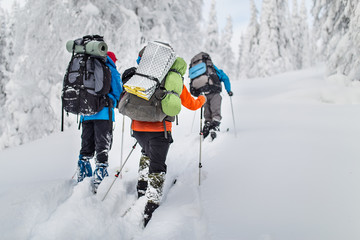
pixel 114 95
pixel 223 78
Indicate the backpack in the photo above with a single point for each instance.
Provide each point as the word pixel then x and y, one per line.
pixel 202 74
pixel 88 79
pixel 164 104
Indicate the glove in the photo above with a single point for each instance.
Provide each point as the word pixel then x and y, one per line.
pixel 203 94
pixel 230 93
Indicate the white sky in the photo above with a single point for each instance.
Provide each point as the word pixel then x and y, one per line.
pixel 239 10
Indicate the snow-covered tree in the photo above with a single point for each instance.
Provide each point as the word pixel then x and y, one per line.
pixel 275 43
pixel 352 49
pixel 238 67
pixel 336 26
pixel 331 22
pixel 212 34
pixel 269 37
pixel 41 30
pixel 225 49
pixel 3 61
pixel 285 42
pixel 175 22
pixel 248 61
pixel 296 36
pixel 300 36
pixel 307 44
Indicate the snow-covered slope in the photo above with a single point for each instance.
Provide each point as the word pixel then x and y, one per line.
pixel 291 172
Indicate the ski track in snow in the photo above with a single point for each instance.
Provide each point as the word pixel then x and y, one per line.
pixel 292 172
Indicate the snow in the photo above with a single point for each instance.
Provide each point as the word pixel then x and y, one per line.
pixel 291 172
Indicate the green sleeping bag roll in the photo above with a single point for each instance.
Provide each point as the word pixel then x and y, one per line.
pixel 171 104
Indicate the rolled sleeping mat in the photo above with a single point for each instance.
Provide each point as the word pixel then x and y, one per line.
pixel 78 48
pixel 96 48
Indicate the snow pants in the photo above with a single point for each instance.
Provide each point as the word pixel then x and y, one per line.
pixel 96 137
pixel 152 167
pixel 212 107
pixel 155 146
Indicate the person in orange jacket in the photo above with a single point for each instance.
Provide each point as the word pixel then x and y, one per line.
pixel 155 146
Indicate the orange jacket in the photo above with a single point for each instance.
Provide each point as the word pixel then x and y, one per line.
pixel 186 100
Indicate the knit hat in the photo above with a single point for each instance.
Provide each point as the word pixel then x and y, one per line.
pixel 112 56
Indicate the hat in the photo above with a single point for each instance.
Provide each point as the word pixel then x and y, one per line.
pixel 142 51
pixel 112 56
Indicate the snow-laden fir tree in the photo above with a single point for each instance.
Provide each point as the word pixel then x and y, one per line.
pixel 174 22
pixel 296 36
pixel 300 35
pixel 227 60
pixel 33 106
pixel 331 22
pixel 212 34
pixel 3 63
pixel 269 57
pixel 238 66
pixel 284 28
pixel 3 60
pixel 275 43
pixel 248 60
pixel 351 49
pixel 307 44
pixel 335 26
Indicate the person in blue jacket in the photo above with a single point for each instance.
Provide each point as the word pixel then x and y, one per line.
pixel 212 107
pixel 97 131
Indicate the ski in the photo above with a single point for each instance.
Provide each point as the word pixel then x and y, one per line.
pixel 213 134
pixel 132 205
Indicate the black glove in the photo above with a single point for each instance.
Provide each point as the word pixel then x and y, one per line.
pixel 128 73
pixel 230 93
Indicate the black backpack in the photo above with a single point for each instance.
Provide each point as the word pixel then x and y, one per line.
pixel 87 81
pixel 202 74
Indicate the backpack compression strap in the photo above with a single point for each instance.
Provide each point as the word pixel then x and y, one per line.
pixel 149 77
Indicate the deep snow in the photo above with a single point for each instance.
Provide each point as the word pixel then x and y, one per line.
pixel 291 173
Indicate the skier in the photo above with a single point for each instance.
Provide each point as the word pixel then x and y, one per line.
pixel 155 139
pixel 210 84
pixel 97 131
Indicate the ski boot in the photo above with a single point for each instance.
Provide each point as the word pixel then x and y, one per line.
pixel 99 174
pixel 84 168
pixel 206 129
pixel 149 209
pixel 154 194
pixel 214 127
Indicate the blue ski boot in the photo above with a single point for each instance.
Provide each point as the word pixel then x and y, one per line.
pixel 84 168
pixel 99 174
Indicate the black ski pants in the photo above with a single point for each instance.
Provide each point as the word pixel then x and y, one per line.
pixel 96 137
pixel 156 147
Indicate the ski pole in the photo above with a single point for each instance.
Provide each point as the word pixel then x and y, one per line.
pixel 74 174
pixel 232 110
pixel 122 142
pixel 201 134
pixel 192 124
pixel 119 171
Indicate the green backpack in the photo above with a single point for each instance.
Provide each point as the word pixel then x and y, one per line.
pixel 164 104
